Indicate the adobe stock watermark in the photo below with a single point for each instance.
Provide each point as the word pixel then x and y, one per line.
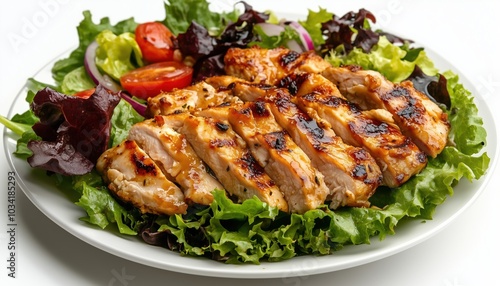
pixel 384 16
pixel 223 5
pixel 31 25
pixel 299 272
pixel 452 282
pixel 120 278
pixel 488 85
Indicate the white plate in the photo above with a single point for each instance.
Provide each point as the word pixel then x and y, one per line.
pixel 56 206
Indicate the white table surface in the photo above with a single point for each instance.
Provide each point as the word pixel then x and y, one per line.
pixel 465 253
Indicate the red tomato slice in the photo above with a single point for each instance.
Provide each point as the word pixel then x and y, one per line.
pixel 155 41
pixel 85 93
pixel 152 79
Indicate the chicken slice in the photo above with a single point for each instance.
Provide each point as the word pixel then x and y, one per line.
pixel 302 185
pixel 191 98
pixel 351 173
pixel 417 116
pixel 269 66
pixel 135 178
pixel 176 158
pixel 226 154
pixel 242 89
pixel 397 156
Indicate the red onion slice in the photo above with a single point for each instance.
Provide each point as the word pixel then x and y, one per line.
pixel 275 30
pixel 303 34
pixel 139 107
pixel 93 71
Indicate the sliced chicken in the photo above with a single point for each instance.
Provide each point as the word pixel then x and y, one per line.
pixel 227 155
pixel 269 66
pixel 397 156
pixel 177 159
pixel 302 185
pixel 242 89
pixel 418 117
pixel 351 173
pixel 135 178
pixel 189 99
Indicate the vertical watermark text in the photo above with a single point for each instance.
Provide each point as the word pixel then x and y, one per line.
pixel 11 227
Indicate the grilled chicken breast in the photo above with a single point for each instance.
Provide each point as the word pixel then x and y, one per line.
pixel 268 66
pixel 302 185
pixel 189 99
pixel 397 156
pixel 276 127
pixel 417 116
pixel 351 173
pixel 227 155
pixel 242 89
pixel 135 178
pixel 176 158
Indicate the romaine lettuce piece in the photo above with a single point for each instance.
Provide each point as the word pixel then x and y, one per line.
pixel 75 81
pixel 116 53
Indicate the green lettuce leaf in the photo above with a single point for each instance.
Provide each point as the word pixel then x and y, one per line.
pixel 18 127
pixel 76 80
pixel 180 14
pixel 313 22
pixel 117 54
pixel 468 140
pixel 124 116
pixel 21 124
pixel 281 40
pixel 102 209
pixel 386 58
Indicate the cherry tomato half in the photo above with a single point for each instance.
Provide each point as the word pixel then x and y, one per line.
pixel 151 80
pixel 85 93
pixel 155 41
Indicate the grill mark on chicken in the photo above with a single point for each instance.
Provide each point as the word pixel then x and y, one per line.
pixel 306 123
pixel 276 140
pixel 411 110
pixel 288 59
pixel 259 109
pixel 219 143
pixel 247 161
pixel 142 168
pixel 222 126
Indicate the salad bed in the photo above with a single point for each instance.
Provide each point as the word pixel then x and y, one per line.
pixel 253 231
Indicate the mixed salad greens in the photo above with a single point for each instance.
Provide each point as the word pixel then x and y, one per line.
pixel 88 109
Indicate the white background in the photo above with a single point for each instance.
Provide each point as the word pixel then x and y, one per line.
pixel 464 253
